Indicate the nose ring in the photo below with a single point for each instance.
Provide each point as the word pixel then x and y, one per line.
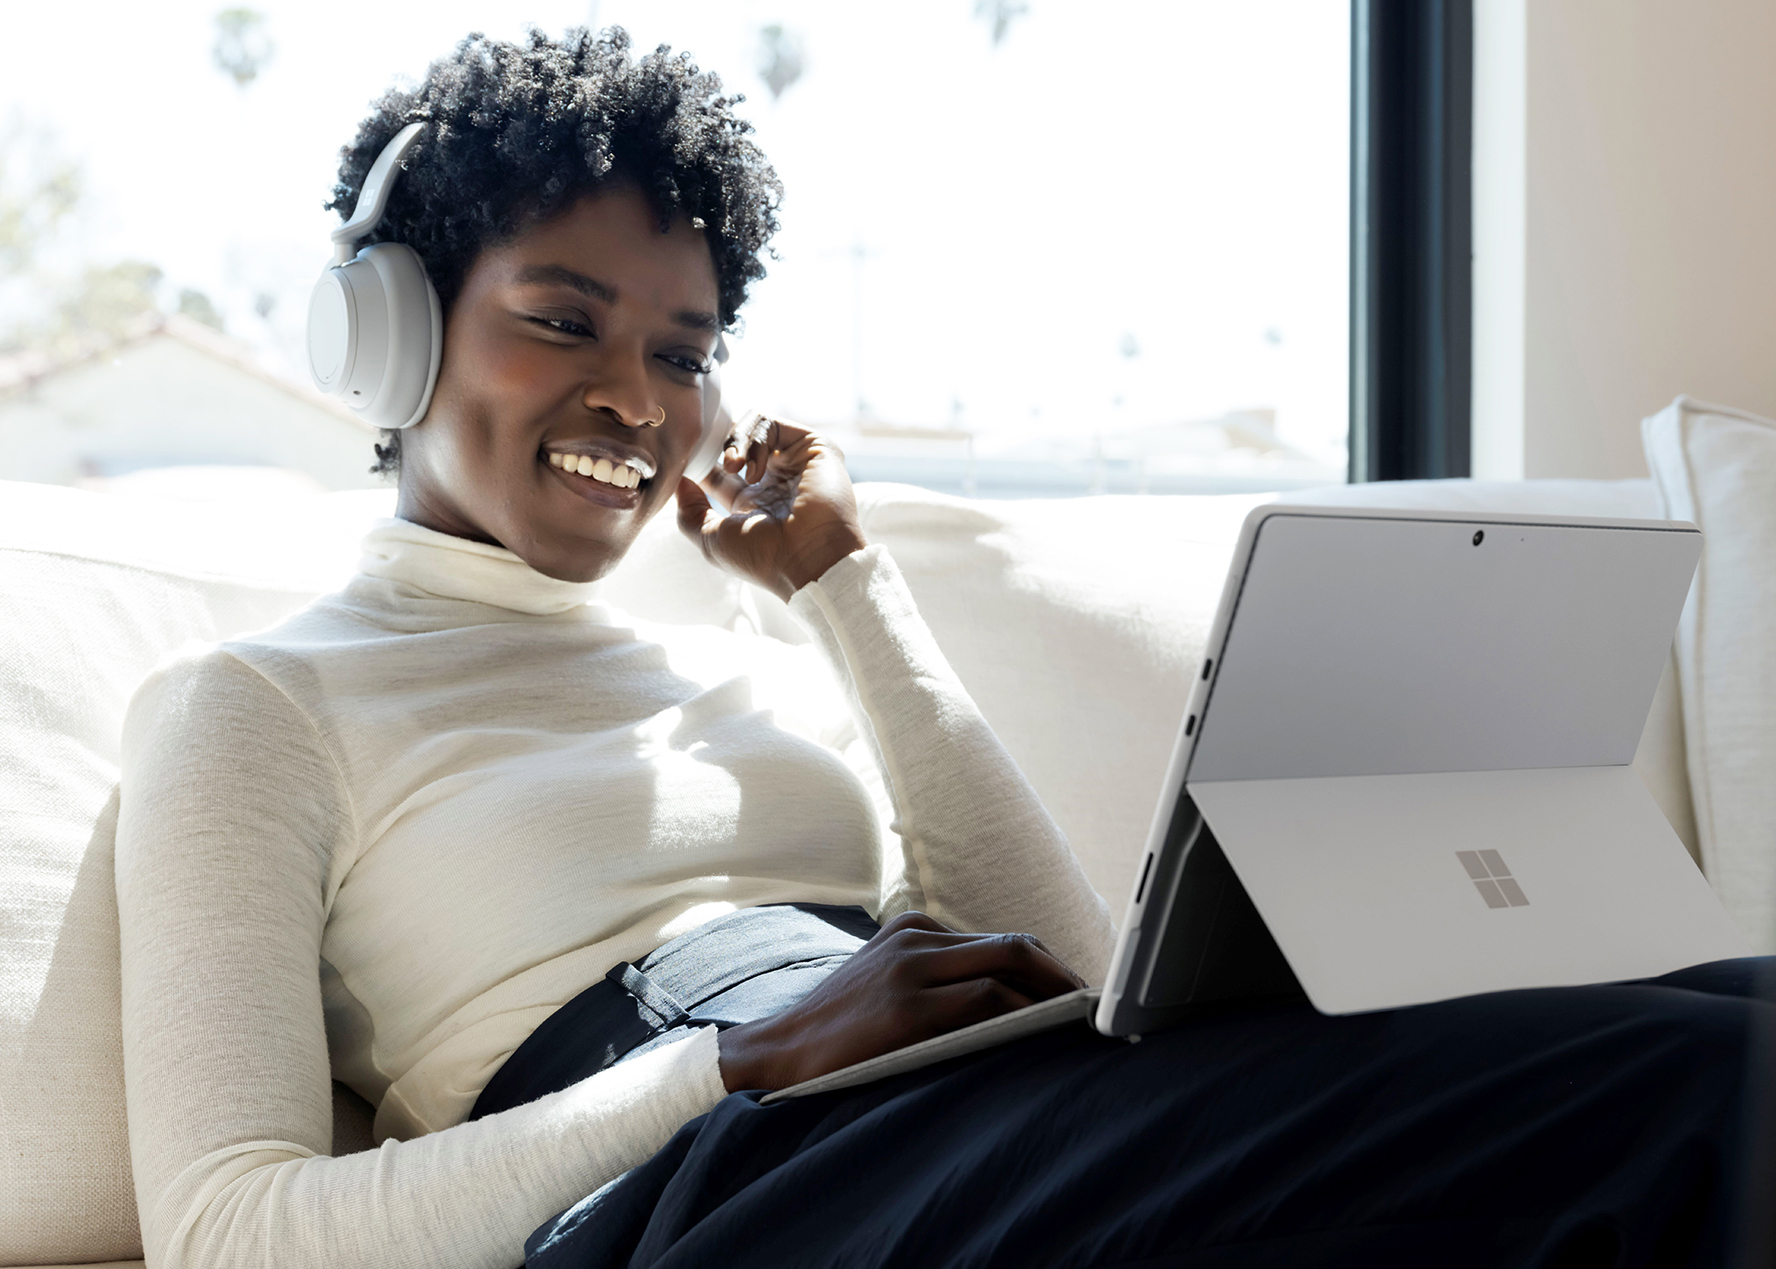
pixel 655 422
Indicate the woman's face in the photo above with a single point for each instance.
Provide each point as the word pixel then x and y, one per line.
pixel 591 335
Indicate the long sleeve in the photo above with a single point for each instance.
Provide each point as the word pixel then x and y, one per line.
pixel 981 852
pixel 232 808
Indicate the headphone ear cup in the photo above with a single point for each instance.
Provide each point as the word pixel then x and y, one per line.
pixel 715 431
pixel 708 450
pixel 334 331
pixel 415 337
pixel 376 335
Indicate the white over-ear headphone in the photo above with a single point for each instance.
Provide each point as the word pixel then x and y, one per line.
pixel 376 329
pixel 709 448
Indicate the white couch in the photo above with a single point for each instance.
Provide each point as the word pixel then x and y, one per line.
pixel 1076 624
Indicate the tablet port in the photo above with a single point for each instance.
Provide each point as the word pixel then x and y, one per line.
pixel 1141 890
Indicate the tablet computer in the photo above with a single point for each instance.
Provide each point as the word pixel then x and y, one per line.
pixel 1403 771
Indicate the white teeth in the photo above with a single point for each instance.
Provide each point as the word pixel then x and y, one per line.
pixel 627 474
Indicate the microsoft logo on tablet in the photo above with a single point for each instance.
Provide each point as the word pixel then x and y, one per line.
pixel 1492 879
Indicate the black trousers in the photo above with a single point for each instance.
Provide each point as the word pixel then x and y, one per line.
pixel 1588 1126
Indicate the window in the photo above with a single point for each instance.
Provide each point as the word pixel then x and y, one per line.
pixel 1030 247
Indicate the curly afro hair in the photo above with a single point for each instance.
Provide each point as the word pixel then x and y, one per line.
pixel 518 132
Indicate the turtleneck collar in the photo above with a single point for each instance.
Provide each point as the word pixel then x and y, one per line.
pixel 455 568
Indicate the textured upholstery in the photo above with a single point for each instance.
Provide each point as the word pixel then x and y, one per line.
pixel 1717 467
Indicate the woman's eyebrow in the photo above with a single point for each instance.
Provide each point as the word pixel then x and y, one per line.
pixel 565 276
pixel 696 320
pixel 560 274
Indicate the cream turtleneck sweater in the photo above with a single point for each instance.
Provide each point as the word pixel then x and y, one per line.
pixel 461 791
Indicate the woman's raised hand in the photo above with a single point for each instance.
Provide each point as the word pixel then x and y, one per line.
pixel 787 511
pixel 916 979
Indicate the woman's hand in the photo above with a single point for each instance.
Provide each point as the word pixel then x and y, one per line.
pixel 916 979
pixel 788 513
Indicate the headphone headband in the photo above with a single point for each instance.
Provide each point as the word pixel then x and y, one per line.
pixel 373 197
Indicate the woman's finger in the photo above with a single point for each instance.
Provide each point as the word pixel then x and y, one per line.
pixel 743 440
pixel 697 520
pixel 771 443
pixel 957 1005
pixel 761 447
pixel 913 919
pixel 912 939
pixel 920 931
pixel 1011 958
pixel 723 485
pixel 783 434
pixel 738 445
pixel 1047 950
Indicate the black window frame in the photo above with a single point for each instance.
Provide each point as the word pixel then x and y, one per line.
pixel 1411 246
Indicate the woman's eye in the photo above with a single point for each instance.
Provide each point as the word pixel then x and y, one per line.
pixel 565 326
pixel 690 365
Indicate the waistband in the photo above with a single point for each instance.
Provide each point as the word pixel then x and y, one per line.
pixel 737 968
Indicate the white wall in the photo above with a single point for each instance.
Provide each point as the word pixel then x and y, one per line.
pixel 1624 223
pixel 161 401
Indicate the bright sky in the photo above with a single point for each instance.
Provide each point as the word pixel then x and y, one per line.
pixel 1170 171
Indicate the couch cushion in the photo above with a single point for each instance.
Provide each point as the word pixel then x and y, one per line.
pixel 1717 467
pixel 1076 625
pixel 89 611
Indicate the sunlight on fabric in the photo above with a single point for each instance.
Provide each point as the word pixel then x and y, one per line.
pixel 700 914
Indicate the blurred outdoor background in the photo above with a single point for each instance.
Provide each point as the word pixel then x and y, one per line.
pixel 1030 248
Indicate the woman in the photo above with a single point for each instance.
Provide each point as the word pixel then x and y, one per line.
pixel 422 836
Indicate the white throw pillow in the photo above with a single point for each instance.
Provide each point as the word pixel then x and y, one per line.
pixel 80 631
pixel 1716 467
pixel 1076 625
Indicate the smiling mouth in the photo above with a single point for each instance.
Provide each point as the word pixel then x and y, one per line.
pixel 627 473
